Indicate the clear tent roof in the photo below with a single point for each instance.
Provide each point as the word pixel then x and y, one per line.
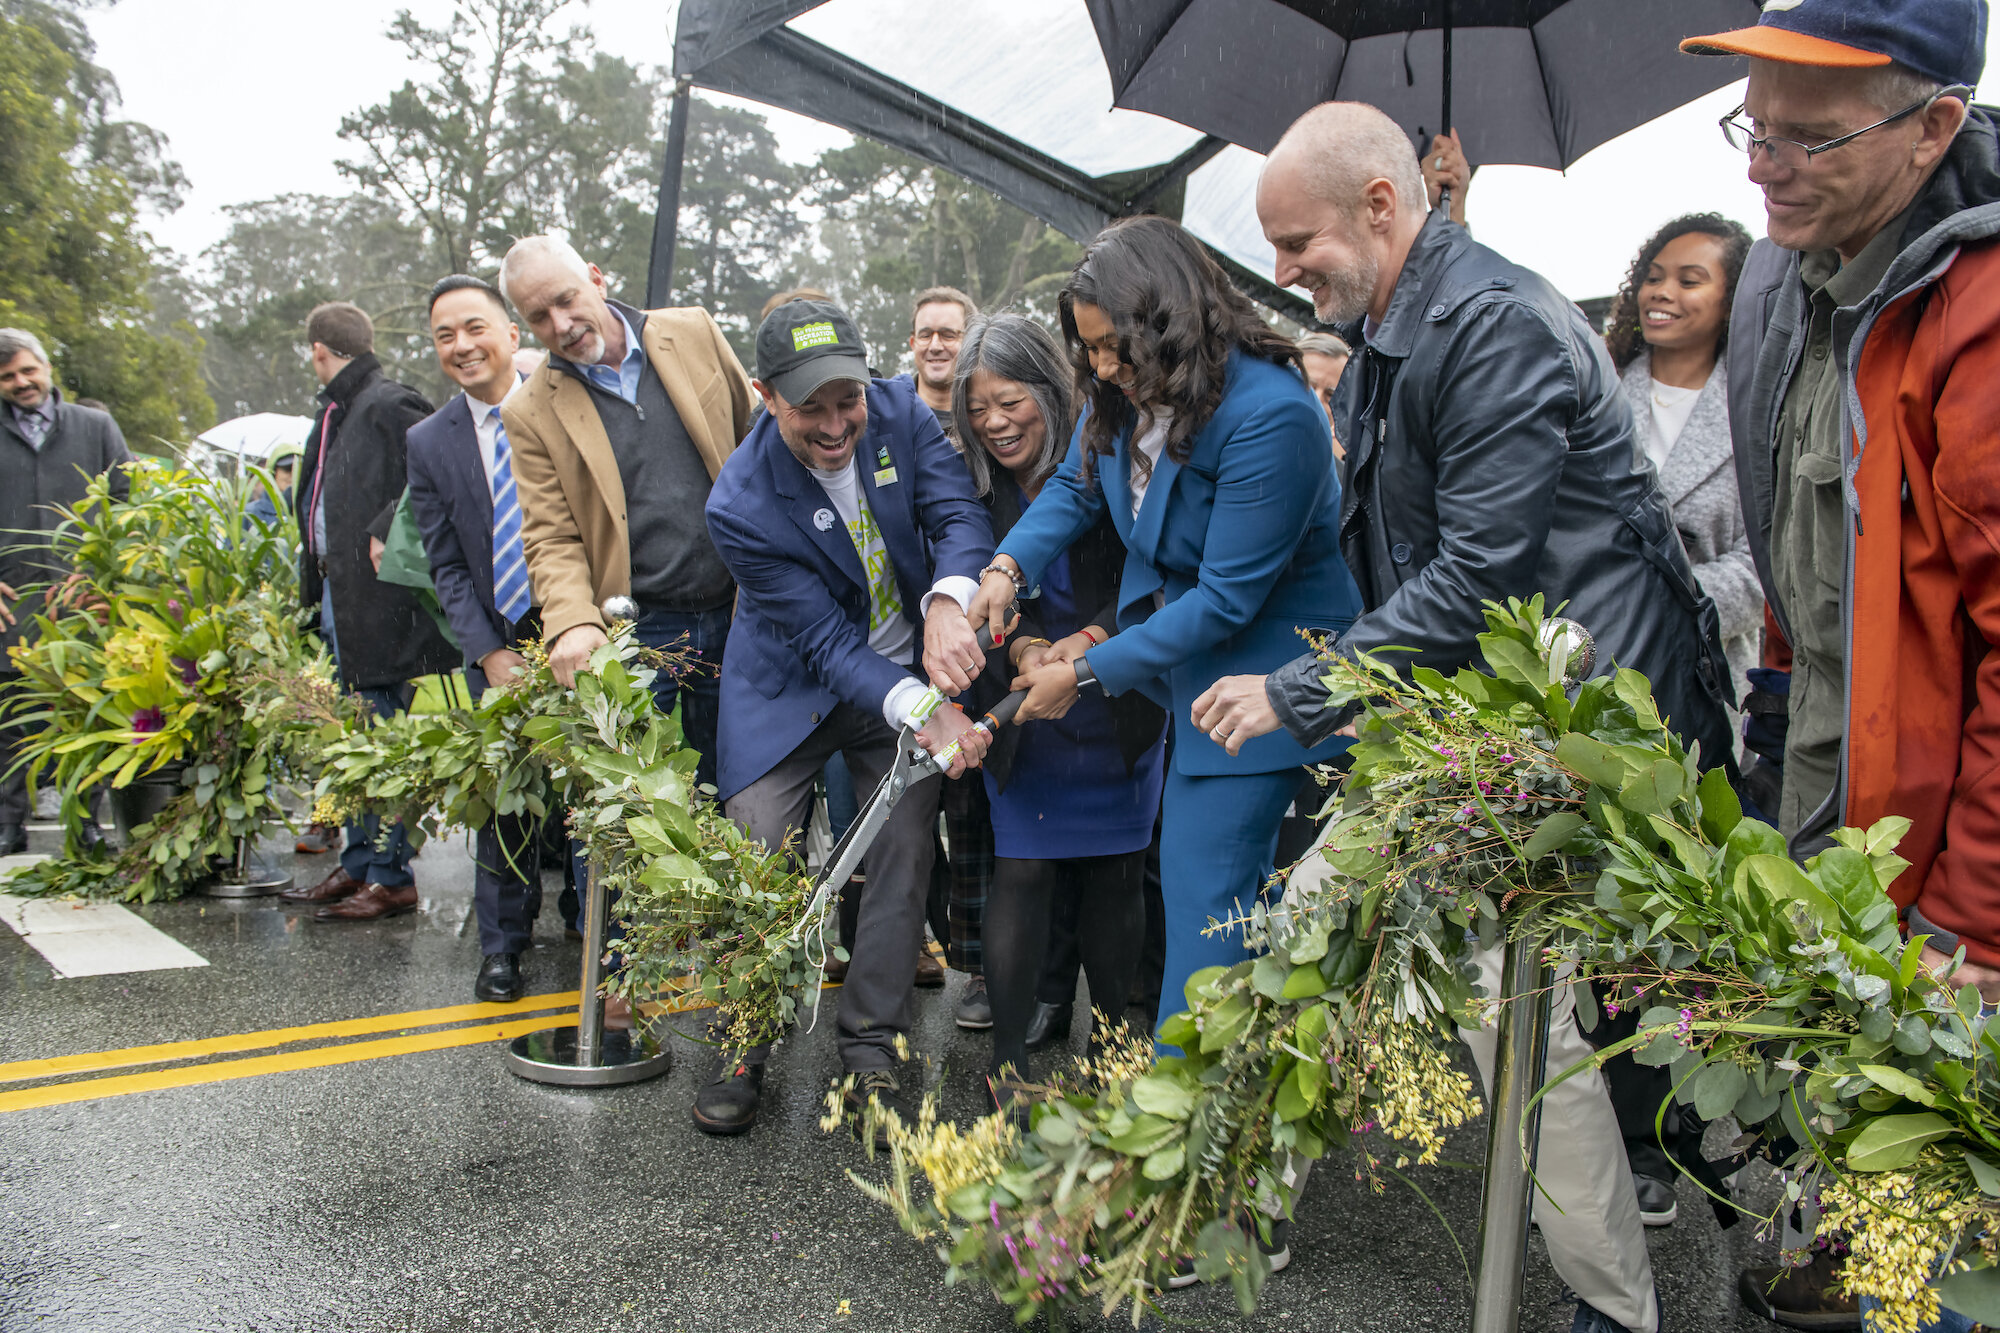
pixel 1030 69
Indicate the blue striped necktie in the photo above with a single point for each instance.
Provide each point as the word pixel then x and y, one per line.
pixel 510 564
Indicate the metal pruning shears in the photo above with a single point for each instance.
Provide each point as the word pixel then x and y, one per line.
pixel 913 764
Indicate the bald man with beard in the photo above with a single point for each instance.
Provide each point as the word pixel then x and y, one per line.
pixel 1490 455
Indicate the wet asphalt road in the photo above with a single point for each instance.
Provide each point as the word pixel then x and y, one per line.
pixel 435 1191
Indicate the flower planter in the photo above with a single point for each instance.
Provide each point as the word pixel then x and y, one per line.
pixel 138 802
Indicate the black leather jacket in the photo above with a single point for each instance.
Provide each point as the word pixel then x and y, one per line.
pixel 1491 454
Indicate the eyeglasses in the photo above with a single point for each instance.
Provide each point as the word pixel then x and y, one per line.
pixel 949 337
pixel 1791 155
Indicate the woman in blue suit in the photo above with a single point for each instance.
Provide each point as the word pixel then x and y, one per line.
pixel 1206 446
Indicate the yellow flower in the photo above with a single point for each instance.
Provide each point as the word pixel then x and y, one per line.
pixel 1897 1232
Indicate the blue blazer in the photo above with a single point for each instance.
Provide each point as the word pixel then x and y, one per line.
pixel 1242 541
pixel 799 643
pixel 453 505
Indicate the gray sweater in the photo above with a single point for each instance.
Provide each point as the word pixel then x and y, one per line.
pixel 1699 479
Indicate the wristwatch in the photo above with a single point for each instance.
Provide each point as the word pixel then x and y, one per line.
pixel 1086 679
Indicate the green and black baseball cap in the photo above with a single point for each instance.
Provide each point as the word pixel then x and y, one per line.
pixel 805 344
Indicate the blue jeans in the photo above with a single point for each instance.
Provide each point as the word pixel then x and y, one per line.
pixel 1948 1321
pixel 699 695
pixel 389 864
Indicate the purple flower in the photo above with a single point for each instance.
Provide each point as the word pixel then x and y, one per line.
pixel 190 672
pixel 174 608
pixel 148 720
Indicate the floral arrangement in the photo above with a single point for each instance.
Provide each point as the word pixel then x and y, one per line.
pixel 1478 805
pixel 709 911
pixel 174 645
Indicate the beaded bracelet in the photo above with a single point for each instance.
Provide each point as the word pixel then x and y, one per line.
pixel 1013 577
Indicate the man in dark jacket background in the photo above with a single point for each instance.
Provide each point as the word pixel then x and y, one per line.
pixel 350 482
pixel 49 451
pixel 1490 454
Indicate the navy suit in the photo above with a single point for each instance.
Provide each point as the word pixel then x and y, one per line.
pixel 1232 553
pixel 799 644
pixel 800 683
pixel 453 504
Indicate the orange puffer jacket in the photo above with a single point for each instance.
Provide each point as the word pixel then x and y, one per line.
pixel 1921 357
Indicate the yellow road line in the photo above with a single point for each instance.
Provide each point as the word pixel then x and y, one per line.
pixel 119 1085
pixel 93 1061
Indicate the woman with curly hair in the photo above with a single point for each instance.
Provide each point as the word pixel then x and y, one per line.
pixel 1206 447
pixel 1668 328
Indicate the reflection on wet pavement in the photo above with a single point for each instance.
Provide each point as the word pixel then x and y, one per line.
pixel 429 1189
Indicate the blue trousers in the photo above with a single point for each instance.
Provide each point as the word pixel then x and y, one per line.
pixel 389 864
pixel 1218 838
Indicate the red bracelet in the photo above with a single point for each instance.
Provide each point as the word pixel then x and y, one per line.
pixel 1095 642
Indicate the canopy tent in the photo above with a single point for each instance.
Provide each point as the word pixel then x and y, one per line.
pixel 1009 94
pixel 1023 97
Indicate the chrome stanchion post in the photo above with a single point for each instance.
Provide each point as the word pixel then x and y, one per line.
pixel 585 1055
pixel 590 1004
pixel 1519 1061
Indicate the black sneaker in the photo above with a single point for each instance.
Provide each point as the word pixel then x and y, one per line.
pixel 975 1010
pixel 727 1103
pixel 880 1086
pixel 1590 1319
pixel 1657 1205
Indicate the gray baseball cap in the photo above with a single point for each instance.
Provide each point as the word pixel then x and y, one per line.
pixel 805 344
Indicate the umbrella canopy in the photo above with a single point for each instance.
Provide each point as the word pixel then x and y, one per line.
pixel 258 436
pixel 1534 82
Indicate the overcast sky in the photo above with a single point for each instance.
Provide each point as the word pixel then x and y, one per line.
pixel 251 93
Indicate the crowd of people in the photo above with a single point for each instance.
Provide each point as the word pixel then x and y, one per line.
pixel 1771 485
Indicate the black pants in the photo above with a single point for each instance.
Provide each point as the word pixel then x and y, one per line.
pixel 1109 897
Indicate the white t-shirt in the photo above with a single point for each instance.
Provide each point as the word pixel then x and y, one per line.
pixel 890 632
pixel 1152 444
pixel 1672 406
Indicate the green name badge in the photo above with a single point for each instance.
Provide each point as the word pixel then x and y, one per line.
pixel 886 477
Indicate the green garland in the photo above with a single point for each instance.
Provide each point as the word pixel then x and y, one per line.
pixel 1479 804
pixel 178 642
pixel 710 912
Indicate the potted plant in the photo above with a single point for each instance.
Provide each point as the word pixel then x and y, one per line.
pixel 168 669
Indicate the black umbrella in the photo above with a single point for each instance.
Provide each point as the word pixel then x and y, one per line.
pixel 1535 82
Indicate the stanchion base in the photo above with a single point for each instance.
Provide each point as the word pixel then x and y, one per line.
pixel 230 887
pixel 549 1056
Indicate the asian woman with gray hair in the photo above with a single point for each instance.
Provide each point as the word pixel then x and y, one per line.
pixel 1073 797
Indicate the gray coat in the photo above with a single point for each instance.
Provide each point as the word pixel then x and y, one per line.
pixel 34 484
pixel 1699 479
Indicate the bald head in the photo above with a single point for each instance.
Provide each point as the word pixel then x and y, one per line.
pixel 1341 200
pixel 1337 148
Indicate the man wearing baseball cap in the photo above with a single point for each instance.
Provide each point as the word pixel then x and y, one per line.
pixel 850 525
pixel 1864 392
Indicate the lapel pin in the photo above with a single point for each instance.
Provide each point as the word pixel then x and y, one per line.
pixel 823 520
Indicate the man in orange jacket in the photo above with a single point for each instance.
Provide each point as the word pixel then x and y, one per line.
pixel 1865 404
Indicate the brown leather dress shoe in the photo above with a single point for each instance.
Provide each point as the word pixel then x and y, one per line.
pixel 930 972
pixel 372 903
pixel 332 889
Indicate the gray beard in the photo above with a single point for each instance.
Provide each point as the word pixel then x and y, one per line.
pixel 1345 297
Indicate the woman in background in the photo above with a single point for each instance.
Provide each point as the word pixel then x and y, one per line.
pixel 1667 331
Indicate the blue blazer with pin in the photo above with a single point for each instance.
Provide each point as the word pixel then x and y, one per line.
pixel 1232 554
pixel 799 643
pixel 453 504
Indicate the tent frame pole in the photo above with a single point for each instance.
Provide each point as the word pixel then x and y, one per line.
pixel 667 215
pixel 1520 1058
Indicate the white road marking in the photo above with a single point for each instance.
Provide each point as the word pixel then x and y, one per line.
pixel 87 939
